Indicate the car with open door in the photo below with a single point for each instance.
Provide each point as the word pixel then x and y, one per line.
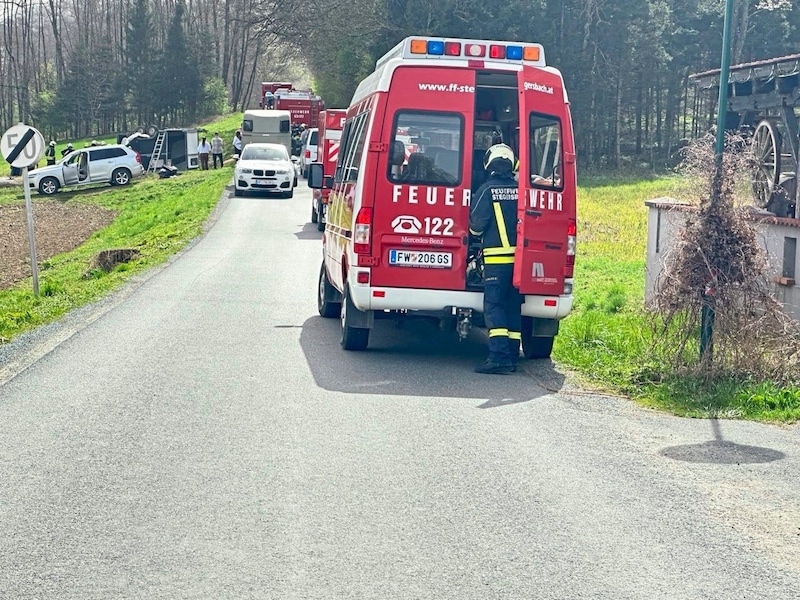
pixel 113 164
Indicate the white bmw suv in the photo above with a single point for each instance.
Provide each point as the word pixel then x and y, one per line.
pixel 115 164
pixel 264 167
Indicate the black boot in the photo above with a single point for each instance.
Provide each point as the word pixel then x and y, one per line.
pixel 490 367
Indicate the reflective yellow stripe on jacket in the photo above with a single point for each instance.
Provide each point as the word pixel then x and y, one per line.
pixel 503 255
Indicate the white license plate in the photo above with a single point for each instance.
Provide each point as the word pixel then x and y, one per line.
pixel 420 258
pixel 260 181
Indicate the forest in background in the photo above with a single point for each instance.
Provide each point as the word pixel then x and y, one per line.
pixel 81 68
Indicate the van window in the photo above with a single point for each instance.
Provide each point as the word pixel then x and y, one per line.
pixel 285 125
pixel 545 151
pixel 426 148
pixel 247 125
pixel 352 148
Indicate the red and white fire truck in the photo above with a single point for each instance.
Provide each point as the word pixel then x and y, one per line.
pixel 303 105
pixel 396 241
pixel 274 86
pixel 331 123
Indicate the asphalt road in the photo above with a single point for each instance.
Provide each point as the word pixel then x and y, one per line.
pixel 202 435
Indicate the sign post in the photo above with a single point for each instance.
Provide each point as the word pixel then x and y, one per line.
pixel 707 310
pixel 23 146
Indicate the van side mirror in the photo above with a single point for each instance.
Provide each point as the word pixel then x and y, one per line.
pixel 316 176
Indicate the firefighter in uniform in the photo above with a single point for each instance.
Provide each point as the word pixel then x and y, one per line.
pixel 493 218
pixel 50 153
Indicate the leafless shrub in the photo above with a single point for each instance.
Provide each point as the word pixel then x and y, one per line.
pixel 718 263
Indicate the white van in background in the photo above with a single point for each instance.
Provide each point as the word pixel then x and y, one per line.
pixel 271 126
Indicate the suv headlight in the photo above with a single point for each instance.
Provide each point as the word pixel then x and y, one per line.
pixel 281 171
pixel 246 171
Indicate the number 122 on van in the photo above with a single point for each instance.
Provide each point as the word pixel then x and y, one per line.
pixel 420 258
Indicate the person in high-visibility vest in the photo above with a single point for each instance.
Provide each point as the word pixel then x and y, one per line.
pixel 50 153
pixel 493 218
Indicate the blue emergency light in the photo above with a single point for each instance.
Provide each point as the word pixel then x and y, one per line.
pixel 514 52
pixel 436 47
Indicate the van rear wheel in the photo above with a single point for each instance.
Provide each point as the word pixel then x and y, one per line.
pixel 353 338
pixel 538 347
pixel 325 291
pixel 535 346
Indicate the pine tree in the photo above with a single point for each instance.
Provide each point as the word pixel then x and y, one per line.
pixel 139 68
pixel 178 84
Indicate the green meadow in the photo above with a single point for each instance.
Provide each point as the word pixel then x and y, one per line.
pixel 606 340
pixel 158 217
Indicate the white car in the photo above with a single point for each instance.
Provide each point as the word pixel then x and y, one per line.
pixel 309 152
pixel 265 167
pixel 115 164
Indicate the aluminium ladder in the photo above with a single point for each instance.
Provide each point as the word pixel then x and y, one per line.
pixel 157 151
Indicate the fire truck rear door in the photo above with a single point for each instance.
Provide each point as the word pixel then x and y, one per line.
pixel 542 221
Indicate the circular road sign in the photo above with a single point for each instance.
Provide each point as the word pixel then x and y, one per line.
pixel 22 146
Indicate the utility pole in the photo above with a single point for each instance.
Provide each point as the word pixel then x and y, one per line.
pixel 707 312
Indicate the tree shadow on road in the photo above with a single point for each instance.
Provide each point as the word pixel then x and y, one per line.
pixel 418 359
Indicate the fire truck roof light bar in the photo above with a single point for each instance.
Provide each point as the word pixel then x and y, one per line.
pixel 419 47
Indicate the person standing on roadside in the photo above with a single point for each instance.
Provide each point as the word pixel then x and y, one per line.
pixel 216 149
pixel 237 145
pixel 50 153
pixel 203 150
pixel 493 219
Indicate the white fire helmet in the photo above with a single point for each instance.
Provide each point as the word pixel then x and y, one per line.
pixel 499 157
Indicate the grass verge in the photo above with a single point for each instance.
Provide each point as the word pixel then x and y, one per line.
pixel 158 217
pixel 608 337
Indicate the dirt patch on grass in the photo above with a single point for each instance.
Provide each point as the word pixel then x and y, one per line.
pixel 58 228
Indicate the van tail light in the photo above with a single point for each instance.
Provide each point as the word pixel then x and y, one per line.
pixel 308 153
pixel 362 232
pixel 572 230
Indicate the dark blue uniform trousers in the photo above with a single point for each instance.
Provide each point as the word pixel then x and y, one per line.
pixel 501 308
